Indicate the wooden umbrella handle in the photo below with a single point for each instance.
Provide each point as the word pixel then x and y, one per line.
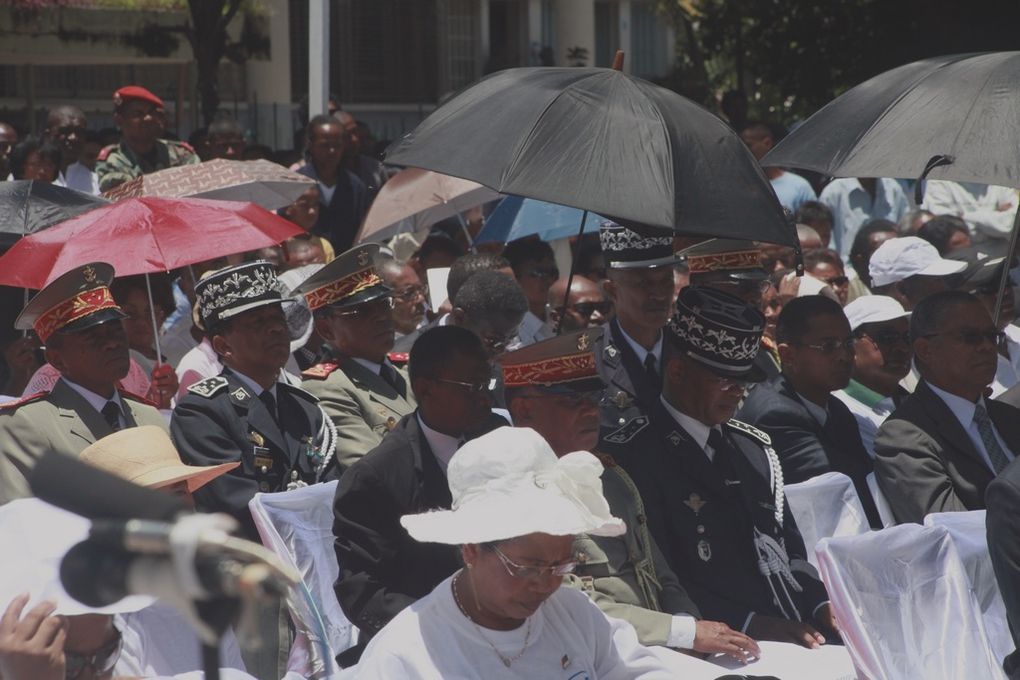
pixel 618 61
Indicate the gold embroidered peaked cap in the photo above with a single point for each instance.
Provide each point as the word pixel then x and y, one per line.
pixel 350 279
pixel 75 301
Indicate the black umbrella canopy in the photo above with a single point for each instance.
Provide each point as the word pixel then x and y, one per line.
pixel 965 106
pixel 28 206
pixel 603 141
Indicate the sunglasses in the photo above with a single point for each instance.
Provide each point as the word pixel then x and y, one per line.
pixel 831 346
pixel 586 309
pixel 472 387
pixel 838 281
pixel 545 274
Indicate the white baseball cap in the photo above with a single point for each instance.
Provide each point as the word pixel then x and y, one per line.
pixel 900 258
pixel 873 309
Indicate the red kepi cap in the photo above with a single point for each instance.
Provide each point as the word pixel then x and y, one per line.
pixel 135 92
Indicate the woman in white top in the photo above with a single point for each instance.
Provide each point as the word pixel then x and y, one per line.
pixel 516 509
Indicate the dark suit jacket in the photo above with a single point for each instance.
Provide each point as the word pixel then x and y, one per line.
pixel 1003 498
pixel 925 462
pixel 806 448
pixel 629 396
pixel 383 569
pixel 232 424
pixel 340 218
pixel 703 520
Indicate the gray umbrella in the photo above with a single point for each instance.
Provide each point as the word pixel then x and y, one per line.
pixel 955 118
pixel 602 141
pixel 964 108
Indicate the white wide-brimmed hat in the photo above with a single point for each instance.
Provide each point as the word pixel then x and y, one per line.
pixel 38 535
pixel 509 483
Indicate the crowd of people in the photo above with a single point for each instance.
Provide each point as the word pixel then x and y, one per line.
pixel 539 473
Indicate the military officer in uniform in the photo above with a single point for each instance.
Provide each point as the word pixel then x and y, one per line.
pixel 79 323
pixel 141 118
pixel 712 486
pixel 363 393
pixel 554 388
pixel 246 413
pixel 629 356
pixel 734 266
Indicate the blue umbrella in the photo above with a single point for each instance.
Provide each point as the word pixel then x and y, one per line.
pixel 516 217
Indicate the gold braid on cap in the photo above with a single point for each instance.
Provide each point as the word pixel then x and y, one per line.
pixel 80 306
pixel 716 262
pixel 547 372
pixel 339 290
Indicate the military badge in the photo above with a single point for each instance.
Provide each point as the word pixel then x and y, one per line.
pixel 695 503
pixel 622 400
pixel 209 386
pixel 704 551
pixel 240 394
pixel 583 342
pixel 630 430
pixel 256 438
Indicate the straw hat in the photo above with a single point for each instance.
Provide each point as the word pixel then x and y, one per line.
pixel 146 456
pixel 509 483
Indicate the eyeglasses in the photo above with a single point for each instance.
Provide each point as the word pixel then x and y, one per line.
pixel 366 308
pixel 472 387
pixel 728 384
pixel 837 281
pixel 888 338
pixel 973 338
pixel 101 661
pixel 412 293
pixel 548 274
pixel 498 342
pixel 586 309
pixel 522 571
pixel 831 346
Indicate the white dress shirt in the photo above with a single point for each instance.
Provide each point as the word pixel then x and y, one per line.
pixel 976 203
pixel 1007 372
pixel 443 445
pixel 964 409
pixel 852 207
pixel 79 178
pixel 98 402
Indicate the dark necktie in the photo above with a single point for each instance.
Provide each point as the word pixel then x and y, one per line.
pixel 267 398
pixel 393 378
pixel 651 373
pixel 111 412
pixel 721 453
pixel 987 432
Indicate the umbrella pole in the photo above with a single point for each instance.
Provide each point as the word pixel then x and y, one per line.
pixel 152 313
pixel 570 277
pixel 1006 267
pixel 467 234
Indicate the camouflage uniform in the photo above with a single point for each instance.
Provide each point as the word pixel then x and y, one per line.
pixel 118 163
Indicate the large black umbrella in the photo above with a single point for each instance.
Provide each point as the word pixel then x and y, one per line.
pixel 600 140
pixel 28 206
pixel 955 118
pixel 964 108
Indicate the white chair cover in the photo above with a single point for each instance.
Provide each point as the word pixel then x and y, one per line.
pixel 884 511
pixel 298 526
pixel 826 506
pixel 967 530
pixel 903 602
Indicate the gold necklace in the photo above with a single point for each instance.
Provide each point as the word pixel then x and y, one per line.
pixel 507 660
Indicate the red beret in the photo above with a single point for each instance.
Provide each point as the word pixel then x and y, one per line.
pixel 135 92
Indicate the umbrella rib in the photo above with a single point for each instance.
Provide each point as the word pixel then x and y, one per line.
pixel 520 148
pixel 973 103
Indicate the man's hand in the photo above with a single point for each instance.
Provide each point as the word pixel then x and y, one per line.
pixel 826 618
pixel 1003 206
pixel 164 385
pixel 713 637
pixel 32 648
pixel 781 630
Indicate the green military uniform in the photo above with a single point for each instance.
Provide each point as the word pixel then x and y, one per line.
pixel 118 163
pixel 62 421
pixel 362 405
pixel 627 575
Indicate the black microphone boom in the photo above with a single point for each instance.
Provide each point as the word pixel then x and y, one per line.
pixel 85 490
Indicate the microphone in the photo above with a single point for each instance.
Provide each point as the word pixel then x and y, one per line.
pixel 85 490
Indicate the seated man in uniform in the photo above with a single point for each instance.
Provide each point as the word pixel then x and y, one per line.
pixel 554 388
pixel 712 486
pixel 359 389
pixel 278 432
pixel 77 319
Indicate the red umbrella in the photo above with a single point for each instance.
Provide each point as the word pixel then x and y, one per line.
pixel 142 236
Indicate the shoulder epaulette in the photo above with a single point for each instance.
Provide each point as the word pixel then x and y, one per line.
pixel 209 386
pixel 320 371
pixel 104 153
pixel 177 142
pixel 750 430
pixel 135 397
pixel 400 358
pixel 8 405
